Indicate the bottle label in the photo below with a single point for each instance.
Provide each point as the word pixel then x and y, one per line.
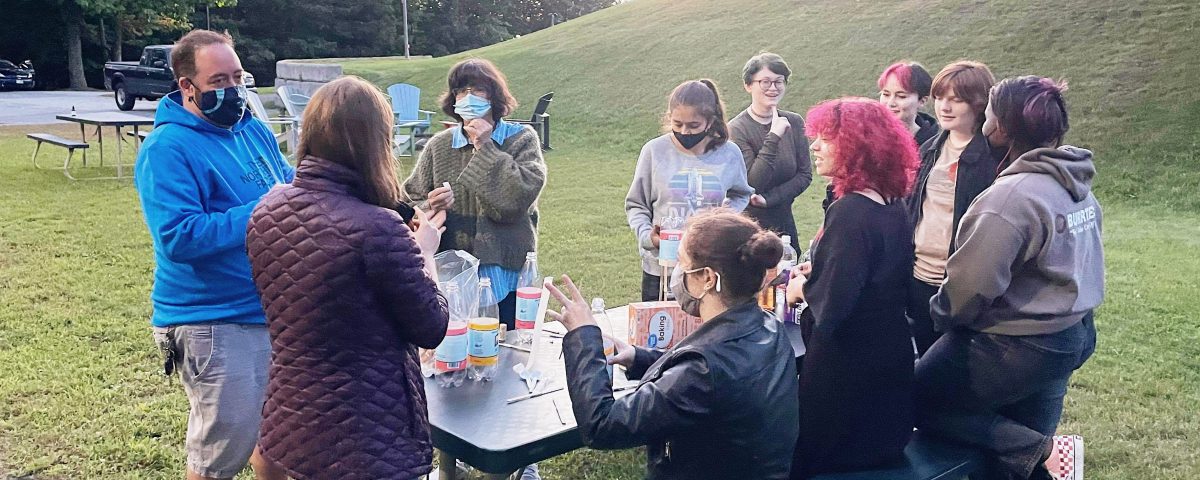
pixel 452 350
pixel 668 244
pixel 484 344
pixel 483 362
pixel 444 367
pixel 528 299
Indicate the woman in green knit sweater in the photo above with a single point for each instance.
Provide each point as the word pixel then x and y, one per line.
pixel 494 171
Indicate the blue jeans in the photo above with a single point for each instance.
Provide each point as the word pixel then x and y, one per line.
pixel 1001 393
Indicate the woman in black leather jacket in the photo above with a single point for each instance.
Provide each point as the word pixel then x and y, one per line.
pixel 723 402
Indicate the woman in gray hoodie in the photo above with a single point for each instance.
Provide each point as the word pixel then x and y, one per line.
pixel 1016 307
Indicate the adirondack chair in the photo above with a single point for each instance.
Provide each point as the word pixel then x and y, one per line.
pixel 293 102
pixel 411 121
pixel 290 133
pixel 540 119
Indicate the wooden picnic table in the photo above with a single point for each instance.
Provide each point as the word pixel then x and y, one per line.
pixel 117 120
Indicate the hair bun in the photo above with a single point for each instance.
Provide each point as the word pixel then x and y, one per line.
pixel 762 251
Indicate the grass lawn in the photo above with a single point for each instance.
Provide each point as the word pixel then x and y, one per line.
pixel 80 391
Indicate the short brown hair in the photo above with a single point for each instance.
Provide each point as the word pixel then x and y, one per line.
pixel 349 122
pixel 767 60
pixel 735 246
pixel 481 74
pixel 970 81
pixel 183 56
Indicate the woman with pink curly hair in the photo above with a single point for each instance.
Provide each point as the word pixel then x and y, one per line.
pixel 856 379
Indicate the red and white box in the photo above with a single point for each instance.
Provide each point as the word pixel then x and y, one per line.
pixel 659 325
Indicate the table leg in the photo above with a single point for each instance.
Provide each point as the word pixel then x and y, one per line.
pixel 663 284
pixel 119 156
pixel 447 466
pixel 83 138
pixel 100 136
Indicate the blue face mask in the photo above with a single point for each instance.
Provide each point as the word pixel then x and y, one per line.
pixel 472 107
pixel 224 107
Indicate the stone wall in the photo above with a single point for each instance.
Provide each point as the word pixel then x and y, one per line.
pixel 305 78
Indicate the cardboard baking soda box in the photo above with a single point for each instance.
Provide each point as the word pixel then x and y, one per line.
pixel 659 325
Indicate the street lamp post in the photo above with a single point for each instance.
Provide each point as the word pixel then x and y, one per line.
pixel 404 4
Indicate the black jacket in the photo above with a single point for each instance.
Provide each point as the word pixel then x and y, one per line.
pixel 977 169
pixel 722 404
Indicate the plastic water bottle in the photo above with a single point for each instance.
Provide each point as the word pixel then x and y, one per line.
pixel 529 295
pixel 450 358
pixel 610 349
pixel 670 235
pixel 484 335
pixel 786 264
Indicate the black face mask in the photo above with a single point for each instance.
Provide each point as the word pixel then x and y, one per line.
pixel 223 107
pixel 691 139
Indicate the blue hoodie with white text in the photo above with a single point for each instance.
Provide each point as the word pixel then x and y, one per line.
pixel 198 184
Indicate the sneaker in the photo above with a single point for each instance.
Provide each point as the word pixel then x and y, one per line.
pixel 1068 452
pixel 531 473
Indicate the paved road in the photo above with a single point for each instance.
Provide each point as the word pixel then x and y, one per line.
pixel 38 107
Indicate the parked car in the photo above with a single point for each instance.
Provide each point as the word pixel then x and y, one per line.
pixel 149 78
pixel 15 77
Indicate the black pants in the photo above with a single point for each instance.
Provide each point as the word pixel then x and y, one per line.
pixel 650 287
pixel 919 320
pixel 1001 393
pixel 508 311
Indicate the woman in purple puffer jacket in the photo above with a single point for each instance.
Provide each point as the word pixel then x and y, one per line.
pixel 349 288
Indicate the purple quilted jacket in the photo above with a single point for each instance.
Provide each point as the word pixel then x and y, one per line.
pixel 347 304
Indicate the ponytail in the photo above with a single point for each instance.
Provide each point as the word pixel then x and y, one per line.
pixel 718 129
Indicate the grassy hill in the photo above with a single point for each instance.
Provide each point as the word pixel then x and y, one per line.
pixel 80 398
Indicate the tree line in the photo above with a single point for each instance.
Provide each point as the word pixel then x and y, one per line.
pixel 68 41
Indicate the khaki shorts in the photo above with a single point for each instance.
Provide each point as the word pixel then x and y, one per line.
pixel 223 367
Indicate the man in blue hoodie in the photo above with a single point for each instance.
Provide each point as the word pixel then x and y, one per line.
pixel 199 174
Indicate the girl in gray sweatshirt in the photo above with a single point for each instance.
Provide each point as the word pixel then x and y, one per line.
pixel 691 168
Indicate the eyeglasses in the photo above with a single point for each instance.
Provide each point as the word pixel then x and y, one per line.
pixel 765 84
pixel 459 91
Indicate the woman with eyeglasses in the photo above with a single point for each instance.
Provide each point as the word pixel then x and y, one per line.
pixel 773 145
pixel 487 174
pixel 856 381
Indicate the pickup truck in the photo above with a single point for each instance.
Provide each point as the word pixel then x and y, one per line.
pixel 15 76
pixel 150 78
